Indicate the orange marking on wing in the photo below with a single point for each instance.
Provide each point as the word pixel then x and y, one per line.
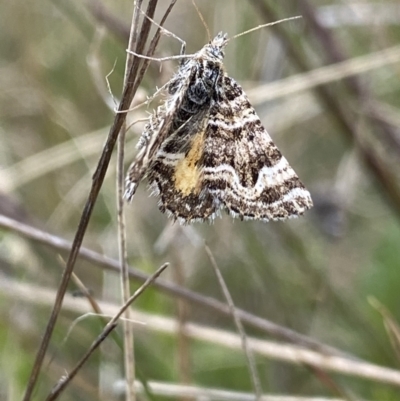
pixel 187 176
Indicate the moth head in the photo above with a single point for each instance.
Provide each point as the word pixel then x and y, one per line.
pixel 215 48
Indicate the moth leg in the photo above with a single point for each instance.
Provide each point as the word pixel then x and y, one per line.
pixel 166 32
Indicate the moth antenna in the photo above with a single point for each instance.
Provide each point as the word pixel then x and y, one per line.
pixel 202 20
pixel 265 25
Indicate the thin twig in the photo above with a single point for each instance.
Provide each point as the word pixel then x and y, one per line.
pixel 139 46
pixel 166 32
pixel 98 178
pixel 156 38
pixel 335 54
pixel 176 391
pixel 129 354
pixel 183 340
pixel 148 100
pixel 324 75
pixel 288 353
pixel 249 354
pixel 171 289
pixel 391 325
pixel 111 325
pixel 83 289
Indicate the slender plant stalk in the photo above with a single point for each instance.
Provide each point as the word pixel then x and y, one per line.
pixel 129 345
pixel 111 325
pixel 247 351
pixel 135 77
pixel 104 262
pixel 287 353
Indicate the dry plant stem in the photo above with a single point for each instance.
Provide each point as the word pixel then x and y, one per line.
pixel 156 38
pixel 133 44
pixel 129 354
pixel 324 75
pixel 94 305
pixel 111 325
pixel 327 380
pixel 166 32
pixel 386 179
pixel 247 351
pixel 175 391
pixel 98 178
pixel 348 127
pixel 336 54
pixel 84 290
pixel 184 365
pixel 391 325
pixel 105 262
pixel 287 353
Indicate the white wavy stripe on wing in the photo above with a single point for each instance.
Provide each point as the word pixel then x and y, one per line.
pixel 268 176
pixel 239 123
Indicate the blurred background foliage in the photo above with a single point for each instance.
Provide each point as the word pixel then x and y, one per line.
pixel 313 275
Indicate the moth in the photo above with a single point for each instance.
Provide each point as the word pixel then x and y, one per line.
pixel 205 150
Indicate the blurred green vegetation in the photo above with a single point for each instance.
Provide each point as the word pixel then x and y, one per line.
pixel 313 275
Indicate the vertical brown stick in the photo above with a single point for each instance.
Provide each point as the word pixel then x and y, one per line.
pixel 135 76
pixel 129 345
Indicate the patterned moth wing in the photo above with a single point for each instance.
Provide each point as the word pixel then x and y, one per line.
pixel 242 167
pixel 157 130
pixel 214 153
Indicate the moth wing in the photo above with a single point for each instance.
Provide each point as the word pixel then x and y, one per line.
pixel 242 167
pixel 176 174
pixel 156 131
